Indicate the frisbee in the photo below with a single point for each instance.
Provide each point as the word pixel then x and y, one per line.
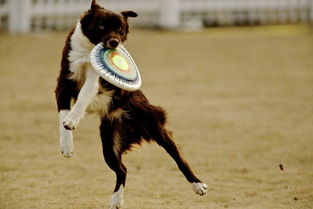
pixel 116 66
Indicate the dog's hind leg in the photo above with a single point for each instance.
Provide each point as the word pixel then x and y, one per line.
pixel 112 153
pixel 164 138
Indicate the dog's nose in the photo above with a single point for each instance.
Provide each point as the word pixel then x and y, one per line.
pixel 113 43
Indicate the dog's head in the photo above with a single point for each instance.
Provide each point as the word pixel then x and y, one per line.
pixel 102 25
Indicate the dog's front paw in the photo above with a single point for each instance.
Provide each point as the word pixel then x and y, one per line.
pixel 70 123
pixel 67 152
pixel 66 142
pixel 67 148
pixel 199 188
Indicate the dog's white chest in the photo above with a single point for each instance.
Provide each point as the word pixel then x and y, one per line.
pixel 100 104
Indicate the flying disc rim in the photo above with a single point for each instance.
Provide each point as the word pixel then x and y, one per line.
pixel 110 75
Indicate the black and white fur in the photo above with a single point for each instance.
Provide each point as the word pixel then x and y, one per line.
pixel 127 118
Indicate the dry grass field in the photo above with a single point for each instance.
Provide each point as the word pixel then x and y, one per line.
pixel 239 100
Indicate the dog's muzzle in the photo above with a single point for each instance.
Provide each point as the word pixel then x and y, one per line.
pixel 112 43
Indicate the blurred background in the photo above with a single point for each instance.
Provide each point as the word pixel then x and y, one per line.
pixel 235 76
pixel 38 15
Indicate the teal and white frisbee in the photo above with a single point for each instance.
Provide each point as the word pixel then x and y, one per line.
pixel 116 66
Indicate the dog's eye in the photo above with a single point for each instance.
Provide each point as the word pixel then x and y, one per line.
pixel 101 27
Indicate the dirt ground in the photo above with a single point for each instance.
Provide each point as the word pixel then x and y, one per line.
pixel 239 100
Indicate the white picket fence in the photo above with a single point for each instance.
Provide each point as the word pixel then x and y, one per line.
pixel 19 16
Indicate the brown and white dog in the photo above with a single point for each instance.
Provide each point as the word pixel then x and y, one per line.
pixel 127 118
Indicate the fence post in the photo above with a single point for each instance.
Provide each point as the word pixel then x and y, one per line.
pixel 19 16
pixel 311 11
pixel 169 14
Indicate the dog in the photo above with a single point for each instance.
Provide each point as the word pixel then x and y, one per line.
pixel 127 118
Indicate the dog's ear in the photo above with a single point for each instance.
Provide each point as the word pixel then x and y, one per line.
pixel 127 14
pixel 94 5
